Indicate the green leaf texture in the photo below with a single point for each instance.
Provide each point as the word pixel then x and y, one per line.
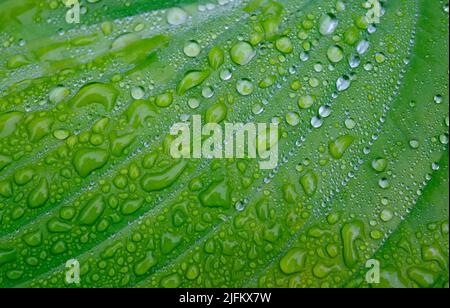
pixel 85 165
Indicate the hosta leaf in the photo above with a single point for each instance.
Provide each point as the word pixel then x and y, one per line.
pixel 86 171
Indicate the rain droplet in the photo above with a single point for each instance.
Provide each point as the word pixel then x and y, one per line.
pixel 257 109
pixel 354 61
pixel 304 56
pixel 350 123
pixel 414 144
pixel 383 183
pixel 325 111
pixel 137 92
pixel 292 118
pixel 193 103
pixel 316 122
pixel 192 49
pixel 335 53
pixel 438 99
pixel 363 47
pixel 245 87
pixel 328 24
pixel 343 83
pixel 176 16
pixel 226 74
pixel 208 92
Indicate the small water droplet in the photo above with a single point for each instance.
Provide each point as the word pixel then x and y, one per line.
pixel 192 49
pixel 316 122
pixel 343 83
pixel 137 92
pixel 176 16
pixel 328 24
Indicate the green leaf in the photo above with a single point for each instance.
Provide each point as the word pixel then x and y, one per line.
pixel 362 175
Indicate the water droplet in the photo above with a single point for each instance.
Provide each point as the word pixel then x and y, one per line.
pixel 343 83
pixel 245 87
pixel 304 56
pixel 383 183
pixel 309 182
pixel 292 118
pixel 414 144
pixel 372 29
pixel 443 138
pixel 58 94
pixel 339 146
pixel 284 45
pixel 176 16
pixel 380 57
pixel 316 122
pixel 208 92
pixel 240 206
pixel 325 111
pixel 225 74
pixel 242 53
pixel 438 99
pixel 354 61
pixel 305 102
pixel 137 92
pixel 328 24
pixel 318 67
pixel 193 103
pixel 350 123
pixel 386 215
pixel 379 164
pixel 192 49
pixel 362 47
pixel 435 166
pixel 335 53
pixel 61 134
pixel 257 109
pixel 164 100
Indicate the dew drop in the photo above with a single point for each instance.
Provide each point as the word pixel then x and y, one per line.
pixel 208 92
pixel 193 103
pixel 335 53
pixel 438 99
pixel 226 74
pixel 242 53
pixel 350 123
pixel 245 87
pixel 316 122
pixel 292 118
pixel 192 49
pixel 137 92
pixel 176 16
pixel 328 24
pixel 414 144
pixel 325 111
pixel 343 83
pixel 354 61
pixel 383 183
pixel 362 47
